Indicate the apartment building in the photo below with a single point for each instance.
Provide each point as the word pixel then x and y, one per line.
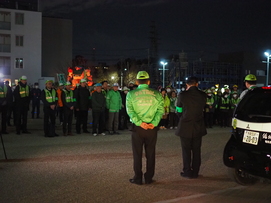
pixel 20 44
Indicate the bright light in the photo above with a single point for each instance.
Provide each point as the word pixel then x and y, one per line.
pixel 1 75
pixel 163 63
pixel 112 77
pixel 266 54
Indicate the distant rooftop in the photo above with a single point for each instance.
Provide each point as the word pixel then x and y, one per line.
pixel 28 5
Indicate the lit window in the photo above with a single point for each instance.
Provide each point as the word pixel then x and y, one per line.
pixel 19 63
pixel 19 18
pixel 19 41
pixel 5 65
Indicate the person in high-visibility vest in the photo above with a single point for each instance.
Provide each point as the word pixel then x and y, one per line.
pixel 224 109
pixel 250 82
pixel 209 109
pixel 22 97
pixel 49 99
pixel 68 106
pixel 5 102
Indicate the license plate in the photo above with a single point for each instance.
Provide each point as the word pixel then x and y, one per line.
pixel 251 137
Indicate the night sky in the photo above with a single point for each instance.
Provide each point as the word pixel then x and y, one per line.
pixel 121 28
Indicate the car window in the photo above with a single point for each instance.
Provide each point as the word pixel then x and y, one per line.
pixel 255 106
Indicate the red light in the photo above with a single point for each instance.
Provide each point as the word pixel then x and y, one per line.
pixel 231 158
pixel 267 88
pixel 266 168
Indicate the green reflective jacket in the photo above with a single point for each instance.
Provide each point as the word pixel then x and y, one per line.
pixel 145 105
pixel 113 101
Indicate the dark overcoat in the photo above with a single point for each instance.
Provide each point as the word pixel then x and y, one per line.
pixel 191 123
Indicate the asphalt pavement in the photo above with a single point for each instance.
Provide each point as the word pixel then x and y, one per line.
pixel 84 168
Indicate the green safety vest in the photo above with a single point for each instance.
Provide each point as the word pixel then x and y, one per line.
pixel 224 103
pixel 50 97
pixel 24 91
pixel 69 96
pixel 210 101
pixel 3 92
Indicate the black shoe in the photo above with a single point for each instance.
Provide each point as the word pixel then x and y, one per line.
pixel 78 133
pixel 86 131
pixel 138 182
pixel 18 133
pixel 26 132
pixel 111 133
pixel 149 181
pixel 185 175
pixel 117 133
pixel 4 132
pixel 56 135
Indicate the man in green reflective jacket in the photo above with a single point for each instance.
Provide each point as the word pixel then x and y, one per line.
pixel 145 108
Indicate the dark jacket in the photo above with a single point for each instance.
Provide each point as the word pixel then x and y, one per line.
pixel 21 101
pixel 98 101
pixel 191 122
pixel 36 94
pixel 82 96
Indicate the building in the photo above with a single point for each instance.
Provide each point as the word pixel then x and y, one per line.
pixel 20 43
pixel 56 46
pixel 32 45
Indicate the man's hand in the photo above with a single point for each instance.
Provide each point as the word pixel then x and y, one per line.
pixel 151 126
pixel 144 126
pixel 53 107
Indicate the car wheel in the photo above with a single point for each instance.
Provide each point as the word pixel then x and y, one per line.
pixel 241 177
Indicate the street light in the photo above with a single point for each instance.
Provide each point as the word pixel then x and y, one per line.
pixel 164 65
pixel 267 67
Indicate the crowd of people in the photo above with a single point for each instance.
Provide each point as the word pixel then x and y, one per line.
pixel 107 103
pixel 138 107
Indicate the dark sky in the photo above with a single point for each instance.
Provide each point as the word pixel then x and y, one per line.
pixel 121 28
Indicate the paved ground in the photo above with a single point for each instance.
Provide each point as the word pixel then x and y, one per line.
pixel 84 168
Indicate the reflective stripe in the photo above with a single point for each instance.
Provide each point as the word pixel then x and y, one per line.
pixel 261 127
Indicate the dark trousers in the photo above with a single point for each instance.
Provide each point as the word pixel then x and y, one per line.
pixel 113 121
pixel 173 119
pixel 67 121
pixel 81 119
pixel 9 112
pixel 224 118
pixel 146 138
pixel 98 121
pixel 35 105
pixel 60 114
pixel 21 118
pixel 3 111
pixel 49 122
pixel 191 151
pixel 209 119
pixel 123 119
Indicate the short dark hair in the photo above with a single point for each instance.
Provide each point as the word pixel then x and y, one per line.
pixel 142 81
pixel 251 82
pixel 104 82
pixel 192 80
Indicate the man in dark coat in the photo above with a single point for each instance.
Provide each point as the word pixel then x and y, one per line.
pixel 36 94
pixel 82 105
pixel 22 97
pixel 191 127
